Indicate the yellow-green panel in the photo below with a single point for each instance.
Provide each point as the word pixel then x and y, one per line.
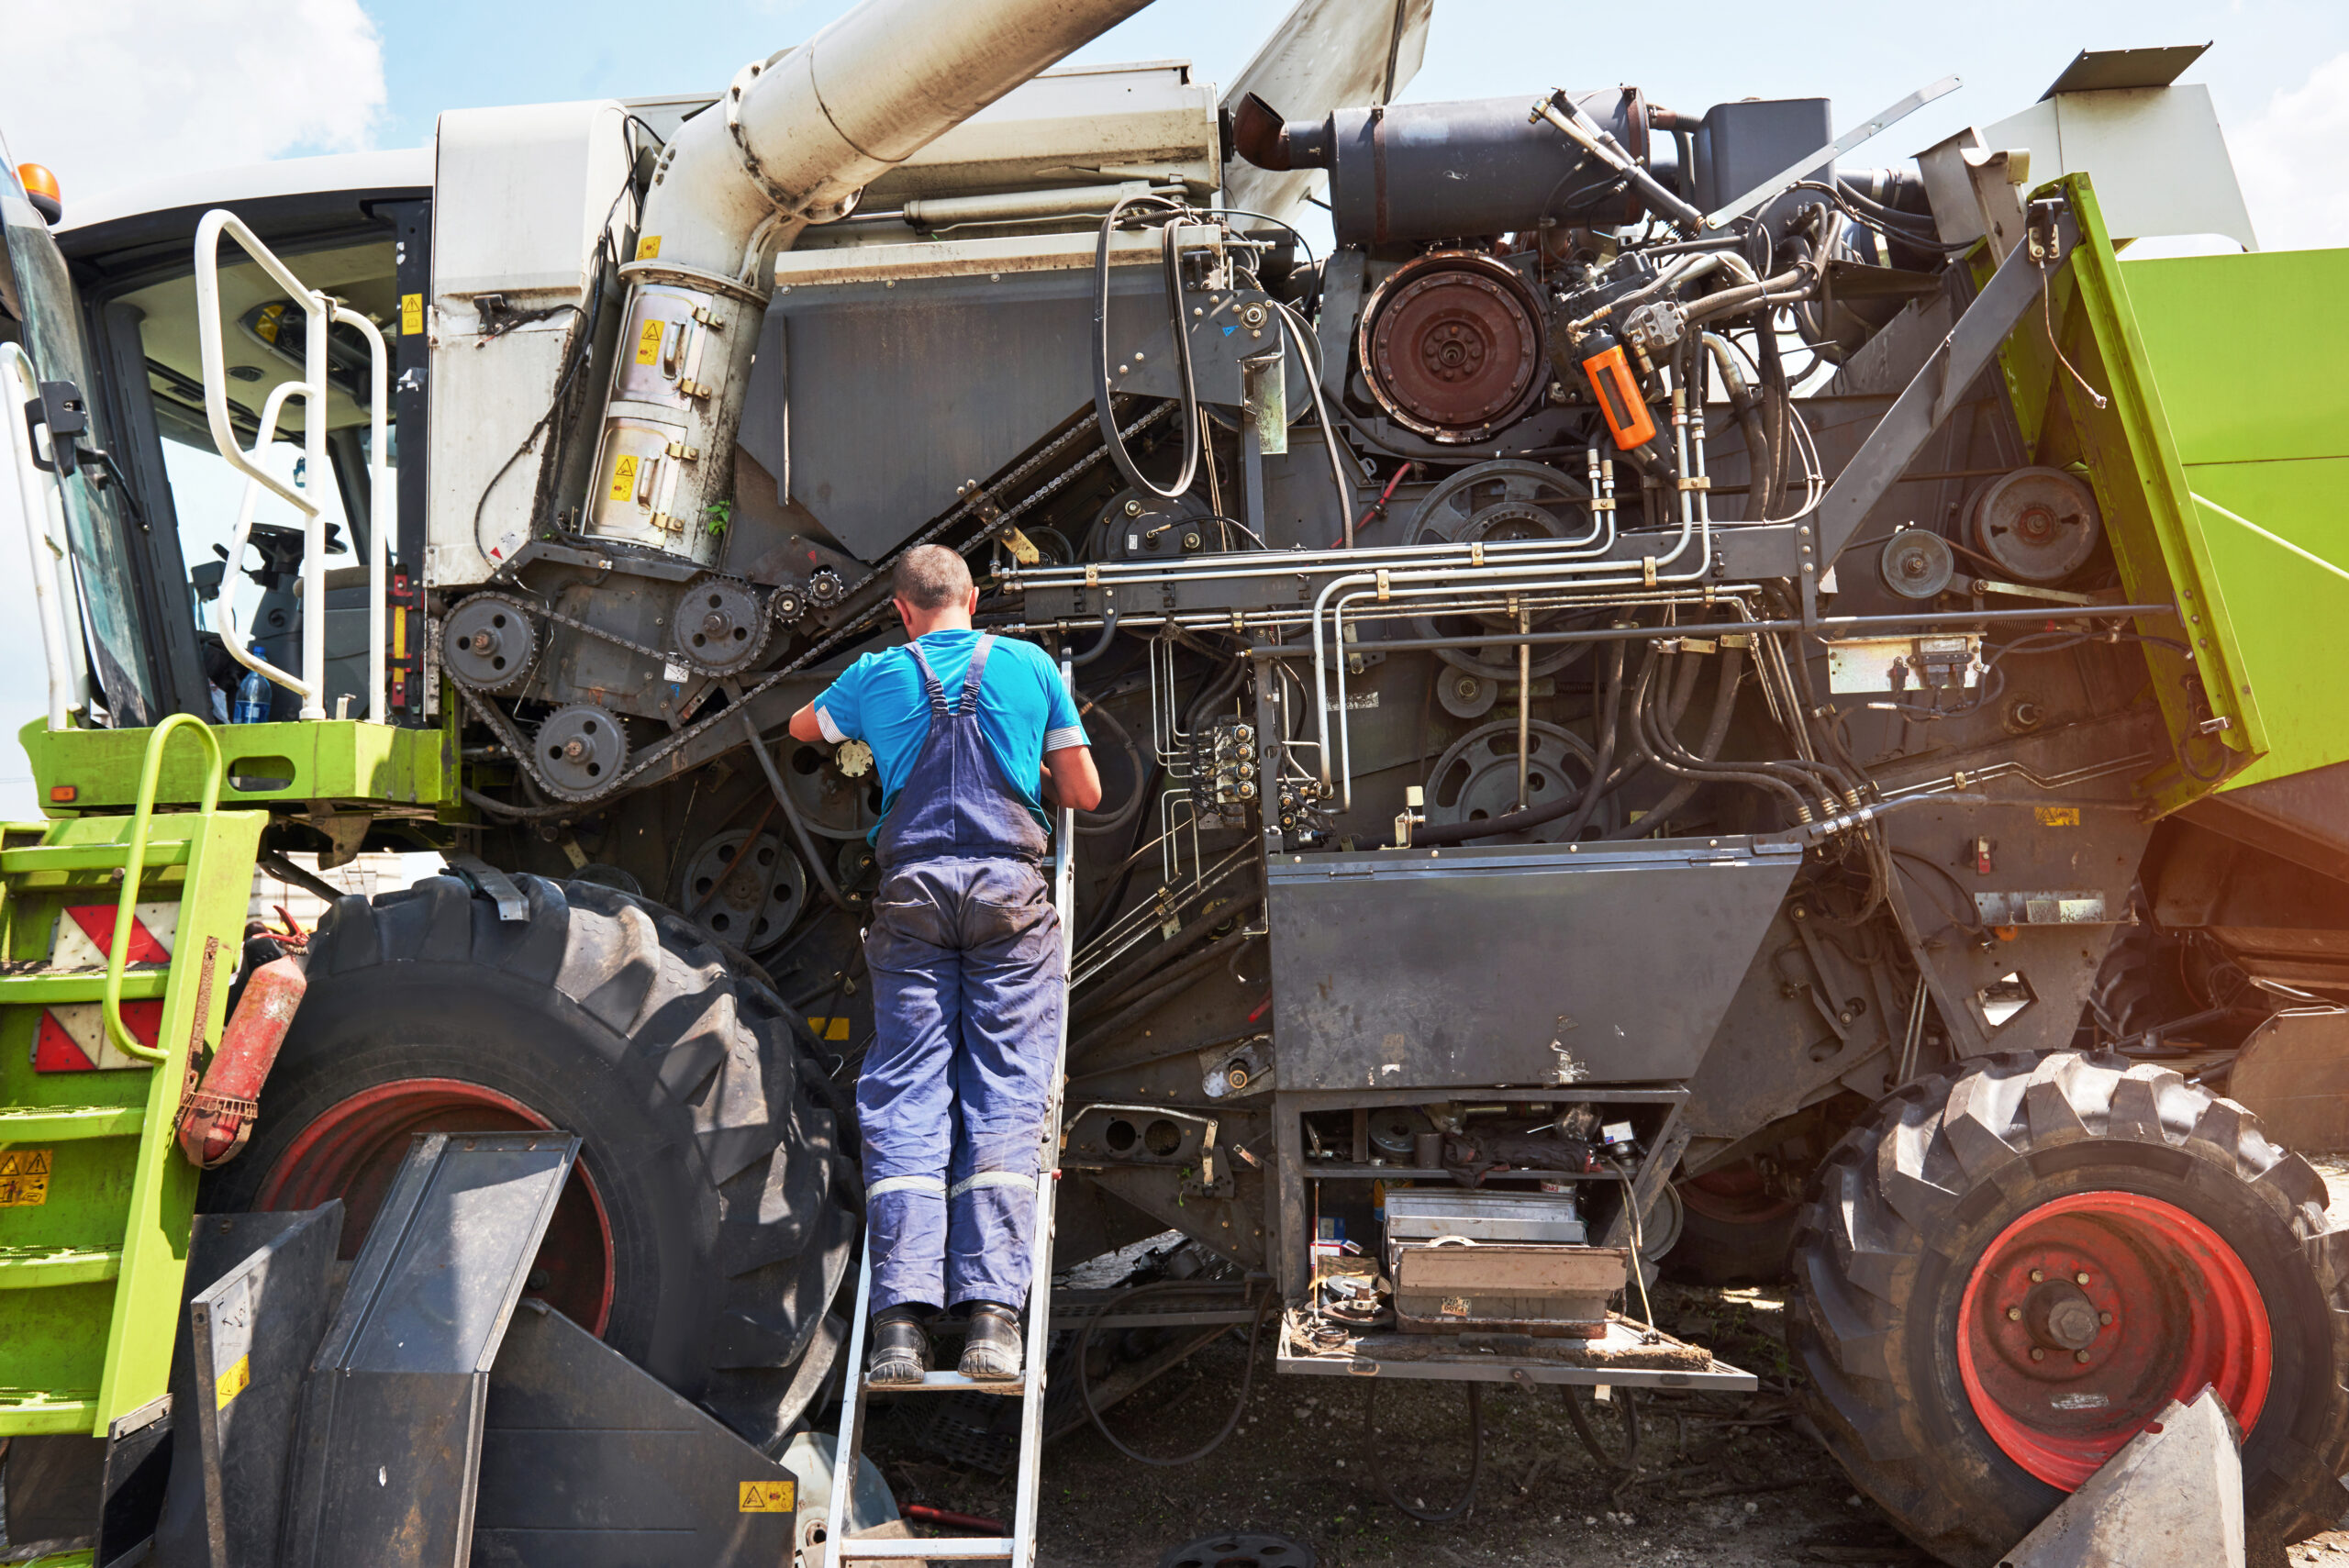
pixel 328 760
pixel 2248 351
pixel 2283 604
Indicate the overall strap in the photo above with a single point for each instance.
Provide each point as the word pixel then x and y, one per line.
pixel 928 678
pixel 978 667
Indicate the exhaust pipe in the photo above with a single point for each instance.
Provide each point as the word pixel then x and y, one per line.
pixel 794 141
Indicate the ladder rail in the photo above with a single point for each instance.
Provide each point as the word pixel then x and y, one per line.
pixel 134 862
pixel 1020 1547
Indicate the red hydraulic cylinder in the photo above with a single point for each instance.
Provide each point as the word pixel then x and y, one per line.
pixel 217 1115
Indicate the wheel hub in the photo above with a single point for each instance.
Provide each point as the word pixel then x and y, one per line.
pixel 353 1149
pixel 2089 1313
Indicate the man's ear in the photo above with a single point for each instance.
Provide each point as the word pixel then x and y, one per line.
pixel 971 603
pixel 904 611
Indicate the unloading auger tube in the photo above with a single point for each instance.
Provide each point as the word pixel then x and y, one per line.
pixel 794 139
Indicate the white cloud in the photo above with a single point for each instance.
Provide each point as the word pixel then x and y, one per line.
pixel 2293 161
pixel 111 93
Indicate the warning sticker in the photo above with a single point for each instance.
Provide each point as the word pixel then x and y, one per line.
pixel 233 1382
pixel 2058 816
pixel 648 342
pixel 647 247
pixel 266 325
pixel 768 1498
pixel 24 1177
pixel 411 315
pixel 624 477
pixel 1454 1307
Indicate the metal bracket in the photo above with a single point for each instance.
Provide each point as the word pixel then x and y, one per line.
pixel 490 883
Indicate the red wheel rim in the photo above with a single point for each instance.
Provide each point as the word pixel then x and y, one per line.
pixel 1735 1194
pixel 2130 1303
pixel 352 1149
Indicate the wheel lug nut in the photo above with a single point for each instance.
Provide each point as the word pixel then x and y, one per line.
pixel 2036 1275
pixel 2105 1318
pixel 2014 1314
pixel 2037 1354
pixel 2079 1355
pixel 2080 1278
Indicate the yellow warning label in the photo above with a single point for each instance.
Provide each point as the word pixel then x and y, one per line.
pixel 624 477
pixel 24 1177
pixel 411 315
pixel 767 1497
pixel 828 1028
pixel 265 325
pixel 648 246
pixel 233 1382
pixel 399 634
pixel 2059 815
pixel 648 342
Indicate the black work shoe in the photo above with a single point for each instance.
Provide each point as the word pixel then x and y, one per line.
pixel 992 1352
pixel 900 1348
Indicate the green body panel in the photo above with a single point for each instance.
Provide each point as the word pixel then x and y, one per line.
pixel 338 760
pixel 2248 351
pixel 2117 428
pixel 91 1275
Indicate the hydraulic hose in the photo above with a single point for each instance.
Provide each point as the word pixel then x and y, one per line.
pixel 1094 823
pixel 1716 732
pixel 1654 743
pixel 1108 631
pixel 1171 259
pixel 1181 973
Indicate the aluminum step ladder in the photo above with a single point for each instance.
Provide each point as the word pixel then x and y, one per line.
pixel 1020 1547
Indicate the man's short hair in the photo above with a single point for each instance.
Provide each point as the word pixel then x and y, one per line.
pixel 931 577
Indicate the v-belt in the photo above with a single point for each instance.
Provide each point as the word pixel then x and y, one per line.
pixel 1021 1545
pixel 521 751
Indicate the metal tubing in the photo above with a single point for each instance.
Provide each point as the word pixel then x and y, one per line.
pixel 1524 712
pixel 379 509
pixel 232 636
pixel 67 694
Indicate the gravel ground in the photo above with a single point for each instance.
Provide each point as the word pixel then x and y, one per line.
pixel 1724 1481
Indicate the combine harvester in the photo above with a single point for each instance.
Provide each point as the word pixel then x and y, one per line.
pixel 1678 696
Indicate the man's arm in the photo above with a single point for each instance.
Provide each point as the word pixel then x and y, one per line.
pixel 806 726
pixel 1070 777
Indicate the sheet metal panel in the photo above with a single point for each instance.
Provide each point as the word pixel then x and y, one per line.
pixel 1516 965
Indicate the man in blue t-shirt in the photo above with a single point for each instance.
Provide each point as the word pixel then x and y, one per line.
pixel 972 733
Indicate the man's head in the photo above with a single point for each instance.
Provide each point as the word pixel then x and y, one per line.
pixel 932 589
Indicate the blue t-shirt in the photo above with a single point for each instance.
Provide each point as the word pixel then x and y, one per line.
pixel 1024 711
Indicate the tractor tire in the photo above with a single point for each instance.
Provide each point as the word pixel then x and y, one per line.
pixel 1734 1231
pixel 2138 1233
pixel 712 1217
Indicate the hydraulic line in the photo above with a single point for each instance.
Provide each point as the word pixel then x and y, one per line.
pixel 1239 1406
pixel 1653 748
pixel 1716 732
pixel 1171 259
pixel 1173 979
pixel 1108 993
pixel 1094 823
pixel 1101 643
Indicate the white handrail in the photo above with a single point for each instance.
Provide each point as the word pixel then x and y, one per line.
pixel 68 676
pixel 232 636
pixel 320 311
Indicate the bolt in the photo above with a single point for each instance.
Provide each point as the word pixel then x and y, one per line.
pixel 2037 1354
pixel 2105 1318
pixel 1133 508
pixel 2036 1276
pixel 2080 1278
pixel 2014 1314
pixel 2081 1356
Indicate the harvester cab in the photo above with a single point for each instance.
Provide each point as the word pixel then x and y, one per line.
pixel 1671 699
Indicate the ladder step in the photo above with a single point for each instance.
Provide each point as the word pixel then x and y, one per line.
pixel 28 1412
pixel 951 1546
pixel 63 1124
pixel 37 1268
pixel 948 1383
pixel 81 985
pixel 89 857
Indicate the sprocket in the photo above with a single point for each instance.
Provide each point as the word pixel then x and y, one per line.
pixel 489 642
pixel 720 626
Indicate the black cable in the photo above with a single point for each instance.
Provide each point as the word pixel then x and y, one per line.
pixel 1475 1456
pixel 1708 748
pixel 1112 440
pixel 1968 920
pixel 1239 1406
pixel 1092 824
pixel 1101 644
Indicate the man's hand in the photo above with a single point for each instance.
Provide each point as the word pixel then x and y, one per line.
pixel 1070 778
pixel 806 726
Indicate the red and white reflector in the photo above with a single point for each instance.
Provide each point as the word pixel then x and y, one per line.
pixel 86 935
pixel 73 1037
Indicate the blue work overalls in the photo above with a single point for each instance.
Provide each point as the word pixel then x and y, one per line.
pixel 965 950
